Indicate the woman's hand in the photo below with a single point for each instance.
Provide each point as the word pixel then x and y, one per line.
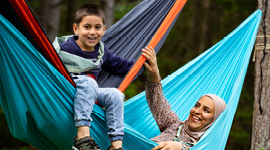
pixel 168 145
pixel 151 66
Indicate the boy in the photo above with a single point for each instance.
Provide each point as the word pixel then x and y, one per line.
pixel 84 55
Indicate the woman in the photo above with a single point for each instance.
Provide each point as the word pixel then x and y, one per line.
pixel 176 134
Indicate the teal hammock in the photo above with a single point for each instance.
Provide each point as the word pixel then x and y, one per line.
pixel 38 101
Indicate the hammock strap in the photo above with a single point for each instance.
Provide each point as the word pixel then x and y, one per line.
pixel 179 4
pixel 260 46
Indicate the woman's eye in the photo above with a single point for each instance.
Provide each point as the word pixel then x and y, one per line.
pixel 206 110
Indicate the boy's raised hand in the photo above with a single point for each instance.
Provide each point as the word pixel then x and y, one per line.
pixel 151 66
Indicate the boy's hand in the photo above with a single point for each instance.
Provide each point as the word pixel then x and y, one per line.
pixel 151 66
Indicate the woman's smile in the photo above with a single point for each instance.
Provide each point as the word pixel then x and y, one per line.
pixel 202 114
pixel 195 118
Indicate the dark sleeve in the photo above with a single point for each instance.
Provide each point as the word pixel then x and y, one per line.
pixel 116 65
pixel 159 106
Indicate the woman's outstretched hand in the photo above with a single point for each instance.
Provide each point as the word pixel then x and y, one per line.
pixel 151 67
pixel 168 145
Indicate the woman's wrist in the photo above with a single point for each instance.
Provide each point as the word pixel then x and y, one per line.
pixel 153 78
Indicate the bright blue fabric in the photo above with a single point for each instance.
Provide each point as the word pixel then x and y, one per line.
pixel 38 100
pixel 35 97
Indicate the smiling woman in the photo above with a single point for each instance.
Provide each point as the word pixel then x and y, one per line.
pixel 176 134
pixel 202 114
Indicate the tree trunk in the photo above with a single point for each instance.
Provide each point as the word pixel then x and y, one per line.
pixel 109 12
pixel 71 12
pixel 49 16
pixel 205 26
pixel 261 112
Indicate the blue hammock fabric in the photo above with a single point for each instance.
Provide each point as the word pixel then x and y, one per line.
pixel 38 101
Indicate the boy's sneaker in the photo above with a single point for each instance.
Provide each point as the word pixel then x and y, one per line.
pixel 86 143
pixel 115 149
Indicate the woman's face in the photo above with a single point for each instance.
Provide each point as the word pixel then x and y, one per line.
pixel 202 114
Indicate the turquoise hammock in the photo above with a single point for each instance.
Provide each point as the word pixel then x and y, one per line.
pixel 36 95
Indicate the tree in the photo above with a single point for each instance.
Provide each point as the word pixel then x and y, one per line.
pixel 261 112
pixel 49 16
pixel 70 20
pixel 109 12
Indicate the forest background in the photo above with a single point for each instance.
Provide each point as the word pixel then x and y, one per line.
pixel 201 24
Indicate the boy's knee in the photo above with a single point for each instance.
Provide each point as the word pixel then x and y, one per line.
pixel 118 94
pixel 86 81
pixel 86 84
pixel 91 82
pixel 115 96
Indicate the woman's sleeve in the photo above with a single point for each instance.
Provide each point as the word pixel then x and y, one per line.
pixel 159 106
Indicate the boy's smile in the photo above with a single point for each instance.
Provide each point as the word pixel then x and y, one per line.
pixel 89 31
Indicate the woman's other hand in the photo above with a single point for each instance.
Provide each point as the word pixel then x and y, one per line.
pixel 168 145
pixel 151 67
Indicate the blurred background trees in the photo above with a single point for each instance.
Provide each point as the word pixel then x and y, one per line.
pixel 201 24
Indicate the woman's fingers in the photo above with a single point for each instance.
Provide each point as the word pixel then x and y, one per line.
pixel 150 52
pixel 150 55
pixel 160 146
pixel 151 65
pixel 151 58
pixel 148 68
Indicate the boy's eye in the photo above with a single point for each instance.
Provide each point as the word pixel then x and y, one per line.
pixel 86 27
pixel 98 27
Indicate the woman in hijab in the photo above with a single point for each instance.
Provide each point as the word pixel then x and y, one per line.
pixel 176 134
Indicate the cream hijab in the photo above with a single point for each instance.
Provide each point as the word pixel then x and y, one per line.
pixel 220 105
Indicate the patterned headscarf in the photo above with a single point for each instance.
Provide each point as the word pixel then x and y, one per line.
pixel 220 105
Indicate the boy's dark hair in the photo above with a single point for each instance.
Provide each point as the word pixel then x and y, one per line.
pixel 89 9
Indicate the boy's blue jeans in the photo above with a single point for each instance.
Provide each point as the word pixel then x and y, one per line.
pixel 87 93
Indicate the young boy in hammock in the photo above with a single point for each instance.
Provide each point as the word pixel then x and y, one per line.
pixel 85 55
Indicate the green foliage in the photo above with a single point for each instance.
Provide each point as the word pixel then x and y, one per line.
pixel 34 4
pixel 8 142
pixel 1 110
pixel 22 148
pixel 122 8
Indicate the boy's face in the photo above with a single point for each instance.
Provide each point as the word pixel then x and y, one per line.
pixel 90 31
